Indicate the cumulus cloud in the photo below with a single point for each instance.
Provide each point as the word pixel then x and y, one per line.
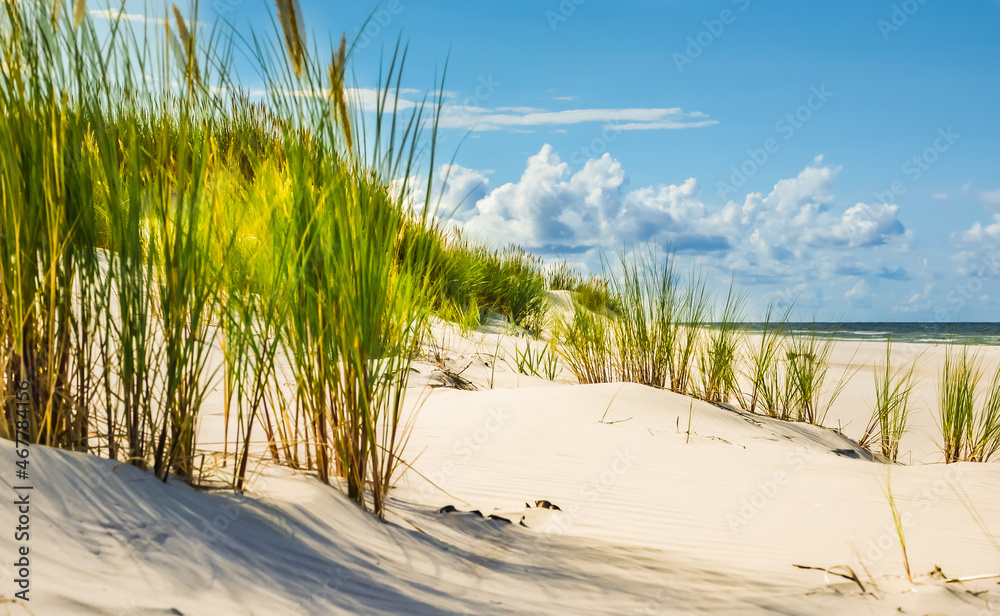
pixel 977 260
pixel 795 228
pixel 455 193
pixel 868 225
pixel 980 234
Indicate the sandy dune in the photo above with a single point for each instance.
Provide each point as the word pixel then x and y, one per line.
pixel 650 520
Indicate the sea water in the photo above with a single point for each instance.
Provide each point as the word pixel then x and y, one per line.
pixel 922 333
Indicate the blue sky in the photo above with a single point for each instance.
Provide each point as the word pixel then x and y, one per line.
pixel 846 154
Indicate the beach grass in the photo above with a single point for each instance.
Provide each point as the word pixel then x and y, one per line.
pixel 586 346
pixel 645 327
pixel 807 373
pixel 162 232
pixel 169 218
pixel 890 419
pixel 719 356
pixel 969 408
pixel 960 379
pixel 593 293
pixel 760 365
pixel 542 363
pixel 986 430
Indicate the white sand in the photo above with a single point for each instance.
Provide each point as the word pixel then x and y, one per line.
pixel 651 522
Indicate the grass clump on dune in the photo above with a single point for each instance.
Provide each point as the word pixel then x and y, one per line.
pixel 970 417
pixel 154 218
pixel 592 293
pixel 645 328
pixel 760 366
pixel 891 414
pixel 789 374
pixel 959 380
pixel 661 334
pixel 808 357
pixel 652 336
pixel 511 283
pixel 719 357
pixel 473 280
pixel 586 345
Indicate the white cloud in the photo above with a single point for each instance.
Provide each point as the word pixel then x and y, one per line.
pixel 457 190
pixel 520 109
pixel 521 119
pixel 664 125
pixel 919 303
pixel 110 15
pixel 858 291
pixel 480 119
pixel 795 243
pixel 979 234
pixel 792 233
pixel 868 225
pixel 990 197
pixel 366 99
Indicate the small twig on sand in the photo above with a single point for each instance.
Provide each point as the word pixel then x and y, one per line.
pixel 690 417
pixel 610 402
pixel 850 575
pixel 611 423
pixel 972 578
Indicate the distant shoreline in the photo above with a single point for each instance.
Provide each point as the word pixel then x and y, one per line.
pixel 971 333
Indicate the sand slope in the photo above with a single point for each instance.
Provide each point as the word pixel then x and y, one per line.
pixel 650 521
